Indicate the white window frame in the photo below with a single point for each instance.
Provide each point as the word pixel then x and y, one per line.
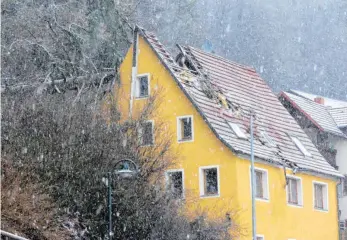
pixel 237 130
pixel 300 146
pixel 261 236
pixel 173 171
pixel 265 183
pixel 202 183
pixel 325 196
pixel 179 137
pixel 300 192
pixel 137 87
pixel 141 134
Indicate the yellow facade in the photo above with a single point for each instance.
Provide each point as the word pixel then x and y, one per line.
pixel 276 220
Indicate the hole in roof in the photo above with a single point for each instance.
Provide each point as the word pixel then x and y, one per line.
pixel 237 130
pixel 182 60
pixel 301 147
pixel 223 101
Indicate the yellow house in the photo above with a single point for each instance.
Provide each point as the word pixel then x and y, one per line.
pixel 206 103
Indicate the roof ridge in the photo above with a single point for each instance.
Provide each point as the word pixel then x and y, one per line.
pixel 246 67
pixel 336 108
pixel 297 92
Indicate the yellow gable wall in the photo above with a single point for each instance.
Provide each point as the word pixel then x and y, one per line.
pixel 275 219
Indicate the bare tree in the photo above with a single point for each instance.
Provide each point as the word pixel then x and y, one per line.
pixel 71 144
pixel 62 40
pixel 25 208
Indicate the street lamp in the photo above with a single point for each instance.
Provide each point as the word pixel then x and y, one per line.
pixel 125 169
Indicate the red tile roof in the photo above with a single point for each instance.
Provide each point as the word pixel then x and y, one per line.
pixel 245 91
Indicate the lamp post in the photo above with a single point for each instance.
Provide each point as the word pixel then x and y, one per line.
pixel 125 169
pixel 254 223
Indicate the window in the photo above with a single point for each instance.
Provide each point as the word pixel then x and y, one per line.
pixel 261 184
pixel 175 183
pixel 320 194
pixel 142 86
pixel 209 181
pixel 185 128
pixel 237 130
pixel 301 147
pixel 146 133
pixel 265 137
pixel 344 186
pixel 260 237
pixel 294 191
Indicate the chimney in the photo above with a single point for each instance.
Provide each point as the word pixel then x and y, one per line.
pixel 319 100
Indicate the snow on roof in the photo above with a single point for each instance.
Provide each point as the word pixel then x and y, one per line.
pixel 317 113
pixel 329 102
pixel 339 115
pixel 245 93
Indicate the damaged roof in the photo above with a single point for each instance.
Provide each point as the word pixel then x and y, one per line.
pixel 317 113
pixel 225 92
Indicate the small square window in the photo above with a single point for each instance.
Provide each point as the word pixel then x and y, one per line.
pixel 175 183
pixel 301 147
pixel 237 130
pixel 261 181
pixel 209 181
pixel 142 86
pixel 294 191
pixel 320 196
pixel 146 133
pixel 185 128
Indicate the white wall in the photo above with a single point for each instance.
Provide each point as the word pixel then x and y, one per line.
pixel 341 162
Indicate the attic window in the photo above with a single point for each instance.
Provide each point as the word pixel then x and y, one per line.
pixel 301 147
pixel 142 86
pixel 237 130
pixel 267 139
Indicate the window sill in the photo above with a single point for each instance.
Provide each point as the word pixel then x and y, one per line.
pixel 141 98
pixel 262 199
pixel 147 145
pixel 295 205
pixel 185 140
pixel 210 196
pixel 321 210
